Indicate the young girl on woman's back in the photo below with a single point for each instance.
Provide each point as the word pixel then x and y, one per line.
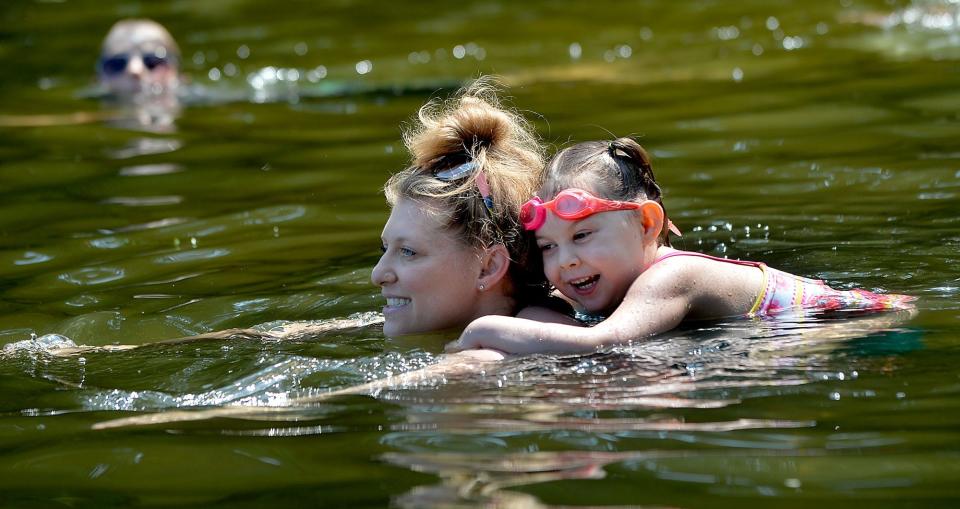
pixel 602 230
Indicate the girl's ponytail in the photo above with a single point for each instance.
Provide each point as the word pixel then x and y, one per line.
pixel 617 170
pixel 637 174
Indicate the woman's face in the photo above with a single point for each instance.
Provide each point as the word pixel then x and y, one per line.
pixel 138 57
pixel 426 273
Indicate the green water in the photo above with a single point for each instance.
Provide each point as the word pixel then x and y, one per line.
pixel 797 133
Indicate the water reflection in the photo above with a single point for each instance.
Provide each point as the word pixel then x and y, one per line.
pixel 485 479
pixel 144 170
pixel 148 146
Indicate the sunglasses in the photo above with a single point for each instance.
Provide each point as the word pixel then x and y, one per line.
pixel 461 171
pixel 571 204
pixel 118 63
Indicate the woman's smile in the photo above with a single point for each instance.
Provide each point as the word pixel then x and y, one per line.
pixel 414 273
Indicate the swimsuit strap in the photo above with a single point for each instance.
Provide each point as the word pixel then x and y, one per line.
pixel 760 304
pixel 701 255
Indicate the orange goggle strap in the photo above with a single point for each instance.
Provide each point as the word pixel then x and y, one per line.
pixel 590 205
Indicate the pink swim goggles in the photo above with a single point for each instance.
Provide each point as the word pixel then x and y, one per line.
pixel 573 204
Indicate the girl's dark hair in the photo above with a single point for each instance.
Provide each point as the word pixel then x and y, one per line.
pixel 472 127
pixel 616 170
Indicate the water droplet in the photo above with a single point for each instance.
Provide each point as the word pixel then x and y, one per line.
pixel 364 66
pixel 317 74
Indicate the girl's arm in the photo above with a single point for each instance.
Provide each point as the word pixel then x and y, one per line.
pixel 655 303
pixel 521 336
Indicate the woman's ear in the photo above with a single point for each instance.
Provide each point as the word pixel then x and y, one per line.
pixel 494 265
pixel 652 214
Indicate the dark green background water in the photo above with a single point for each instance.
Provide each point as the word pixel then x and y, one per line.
pixel 803 134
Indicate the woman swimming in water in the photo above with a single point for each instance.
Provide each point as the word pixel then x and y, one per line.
pixel 602 230
pixel 453 248
pixel 138 56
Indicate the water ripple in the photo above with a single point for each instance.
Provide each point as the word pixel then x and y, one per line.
pixel 192 255
pixel 92 275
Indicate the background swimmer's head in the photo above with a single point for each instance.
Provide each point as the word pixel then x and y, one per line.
pixel 473 127
pixel 138 56
pixel 616 170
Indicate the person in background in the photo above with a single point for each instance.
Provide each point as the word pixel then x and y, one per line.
pixel 138 56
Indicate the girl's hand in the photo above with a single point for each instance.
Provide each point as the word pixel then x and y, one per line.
pixel 520 336
pixel 474 355
pixel 489 332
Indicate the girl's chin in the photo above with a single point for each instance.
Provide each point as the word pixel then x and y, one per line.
pixel 594 309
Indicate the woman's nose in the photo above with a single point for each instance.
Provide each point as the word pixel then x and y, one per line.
pixel 382 274
pixel 135 66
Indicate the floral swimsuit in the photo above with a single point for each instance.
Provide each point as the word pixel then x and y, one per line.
pixel 782 291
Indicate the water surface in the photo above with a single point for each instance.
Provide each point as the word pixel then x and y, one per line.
pixel 817 138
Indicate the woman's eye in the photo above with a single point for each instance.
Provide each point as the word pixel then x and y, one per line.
pixel 581 235
pixel 545 247
pixel 406 251
pixel 383 248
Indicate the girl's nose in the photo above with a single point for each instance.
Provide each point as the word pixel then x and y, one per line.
pixel 382 274
pixel 569 258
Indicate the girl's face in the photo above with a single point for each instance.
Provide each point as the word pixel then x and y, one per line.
pixel 426 273
pixel 593 261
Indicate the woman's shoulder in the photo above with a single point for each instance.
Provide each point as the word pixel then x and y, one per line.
pixel 559 313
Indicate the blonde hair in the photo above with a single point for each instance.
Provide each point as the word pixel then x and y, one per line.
pixel 472 126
